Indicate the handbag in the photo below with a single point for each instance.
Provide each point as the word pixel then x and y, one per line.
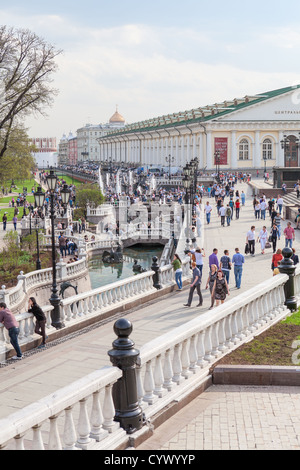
pixel 247 249
pixel 268 245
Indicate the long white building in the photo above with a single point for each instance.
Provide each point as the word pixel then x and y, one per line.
pixel 242 133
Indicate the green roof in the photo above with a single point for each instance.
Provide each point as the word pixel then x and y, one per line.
pixel 201 114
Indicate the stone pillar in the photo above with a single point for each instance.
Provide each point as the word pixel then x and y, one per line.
pixel 124 356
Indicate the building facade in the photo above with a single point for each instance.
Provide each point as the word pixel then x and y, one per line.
pixel 46 154
pixel 253 132
pixel 88 147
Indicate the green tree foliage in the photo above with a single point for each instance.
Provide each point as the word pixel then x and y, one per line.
pixel 88 195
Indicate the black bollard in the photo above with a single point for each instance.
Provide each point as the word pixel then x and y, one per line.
pixel 156 276
pixel 287 266
pixel 124 356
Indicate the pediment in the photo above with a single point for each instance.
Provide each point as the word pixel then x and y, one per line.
pixel 285 107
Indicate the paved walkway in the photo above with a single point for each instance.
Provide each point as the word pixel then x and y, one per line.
pixel 42 372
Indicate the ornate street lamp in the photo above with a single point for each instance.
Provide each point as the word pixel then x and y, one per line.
pixel 54 299
pixel 285 145
pixel 39 198
pixel 65 195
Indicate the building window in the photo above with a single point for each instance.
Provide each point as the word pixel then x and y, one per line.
pixel 244 150
pixel 267 149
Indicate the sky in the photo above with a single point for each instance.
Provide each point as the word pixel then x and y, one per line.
pixel 158 57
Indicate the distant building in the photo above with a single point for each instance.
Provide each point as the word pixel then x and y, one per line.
pixel 47 151
pixel 88 147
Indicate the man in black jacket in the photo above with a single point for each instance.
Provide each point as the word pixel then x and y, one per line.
pixel 40 324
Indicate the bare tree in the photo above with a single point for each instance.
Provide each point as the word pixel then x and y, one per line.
pixel 27 64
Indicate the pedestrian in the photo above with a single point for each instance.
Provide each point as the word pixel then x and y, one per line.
pixel 225 265
pixel 196 283
pixel 62 242
pixel 279 204
pixel 243 198
pixel 220 289
pixel 257 210
pixel 263 207
pixel 213 259
pixel 228 214
pixel 211 280
pixel 177 266
pixel 289 233
pixel 276 258
pixel 40 317
pixel 262 238
pixel 208 210
pixel 222 213
pixel 4 220
pixel 277 221
pixel 238 261
pixel 295 257
pixel 250 240
pixel 237 208
pixel 15 220
pixel 198 256
pixel 10 323
pixel 274 235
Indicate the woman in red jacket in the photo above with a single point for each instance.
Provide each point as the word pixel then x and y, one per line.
pixel 277 257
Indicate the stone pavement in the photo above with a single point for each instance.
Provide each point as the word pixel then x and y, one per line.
pixel 42 372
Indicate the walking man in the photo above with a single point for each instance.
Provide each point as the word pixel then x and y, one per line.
pixel 238 261
pixel 196 282
pixel 250 239
pixel 10 323
pixel 207 210
pixel 289 233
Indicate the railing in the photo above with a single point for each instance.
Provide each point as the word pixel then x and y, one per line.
pixel 88 402
pixel 169 368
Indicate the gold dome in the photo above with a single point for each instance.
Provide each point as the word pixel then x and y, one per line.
pixel 117 117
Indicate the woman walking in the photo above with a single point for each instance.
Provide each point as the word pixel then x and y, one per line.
pixel 274 236
pixel 40 324
pixel 263 237
pixel 276 258
pixel 220 289
pixel 211 280
pixel 178 271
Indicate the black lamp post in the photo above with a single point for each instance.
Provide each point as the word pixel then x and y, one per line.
pixel 39 198
pixel 285 145
pixel 54 299
pixel 170 159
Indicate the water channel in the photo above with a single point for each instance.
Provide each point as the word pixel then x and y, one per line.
pixel 102 274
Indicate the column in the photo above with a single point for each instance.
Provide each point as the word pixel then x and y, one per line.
pixel 280 161
pixel 257 152
pixel 209 158
pixel 234 156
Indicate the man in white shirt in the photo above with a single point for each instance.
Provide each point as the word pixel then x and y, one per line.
pixel 207 210
pixel 263 207
pixel 222 212
pixel 250 239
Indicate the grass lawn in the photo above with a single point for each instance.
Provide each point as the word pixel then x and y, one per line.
pixel 10 214
pixel 276 346
pixel 68 179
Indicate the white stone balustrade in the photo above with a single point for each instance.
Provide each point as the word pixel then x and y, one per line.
pixel 79 416
pixel 169 367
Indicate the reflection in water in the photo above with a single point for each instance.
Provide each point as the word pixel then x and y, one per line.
pixel 102 274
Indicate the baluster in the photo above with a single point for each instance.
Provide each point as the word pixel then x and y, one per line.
pixel 149 384
pixel 215 339
pixel 193 354
pixel 239 321
pixel 83 426
pixel 97 432
pixel 158 377
pixel 54 439
pixel 208 345
pixel 222 336
pixel 69 435
pixel 234 328
pixel 37 440
pixel 109 411
pixel 168 371
pixel 201 350
pixel 139 383
pixel 177 367
pixel 19 442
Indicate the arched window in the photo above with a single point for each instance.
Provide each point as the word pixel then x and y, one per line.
pixel 244 150
pixel 267 150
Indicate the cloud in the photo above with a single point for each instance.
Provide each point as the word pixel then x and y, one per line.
pixel 147 70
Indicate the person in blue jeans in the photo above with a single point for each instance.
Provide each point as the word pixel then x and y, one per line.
pixel 238 261
pixel 178 270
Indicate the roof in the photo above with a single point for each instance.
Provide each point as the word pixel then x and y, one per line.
pixel 201 114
